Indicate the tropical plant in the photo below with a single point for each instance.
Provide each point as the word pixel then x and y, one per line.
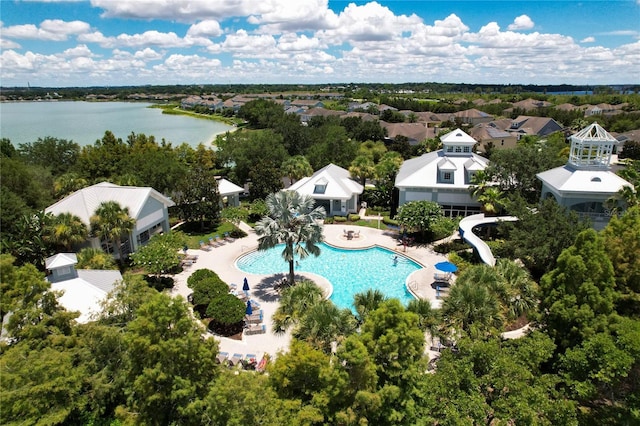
pixel 66 230
pixel 94 258
pixel 68 183
pixel 367 302
pixel 110 222
pixel 293 221
pixel 362 168
pixel 296 167
pixel 160 254
pixel 419 215
pixel 294 302
pixel 324 323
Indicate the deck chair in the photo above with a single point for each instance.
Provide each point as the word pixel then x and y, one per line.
pixel 235 360
pixel 228 237
pixel 255 329
pixel 213 243
pixel 222 357
pixel 204 246
pixel 219 240
pixel 249 362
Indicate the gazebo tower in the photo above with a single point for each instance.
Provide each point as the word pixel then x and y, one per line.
pixel 586 182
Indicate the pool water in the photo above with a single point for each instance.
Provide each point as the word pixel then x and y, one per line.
pixel 349 271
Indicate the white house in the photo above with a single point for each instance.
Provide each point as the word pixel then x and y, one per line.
pixel 82 290
pixel 586 181
pixel 332 188
pixel 443 176
pixel 146 205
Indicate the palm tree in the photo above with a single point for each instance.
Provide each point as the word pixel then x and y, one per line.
pixel 324 323
pixel 472 306
pixel 294 302
pixel 292 220
pixel 68 183
pixel 110 222
pixel 296 167
pixel 362 168
pixel 94 258
pixel 479 183
pixel 367 302
pixel 429 319
pixel 521 295
pixel 66 229
pixel 491 200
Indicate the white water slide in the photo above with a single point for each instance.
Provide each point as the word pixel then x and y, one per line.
pixel 466 232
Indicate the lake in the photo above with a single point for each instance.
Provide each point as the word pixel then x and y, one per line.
pixel 85 122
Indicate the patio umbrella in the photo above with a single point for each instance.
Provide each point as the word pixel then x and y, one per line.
pixel 249 310
pixel 245 286
pixel 446 267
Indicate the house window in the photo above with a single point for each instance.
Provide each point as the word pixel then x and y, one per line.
pixel 458 149
pixel 467 149
pixel 447 176
pixel 449 149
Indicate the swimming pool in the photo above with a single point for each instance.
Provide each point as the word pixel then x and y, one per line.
pixel 349 271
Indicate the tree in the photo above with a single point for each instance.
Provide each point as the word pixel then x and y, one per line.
pixel 491 200
pixel 362 168
pixel 578 294
pixel 170 364
pixel 323 323
pixel 110 222
pixel 367 302
pixel 419 215
pixel 622 243
pixel 160 254
pixel 293 221
pixel 197 197
pixel 472 307
pixel 67 183
pixel 539 236
pixel 266 178
pixel 385 175
pixel 58 155
pixel 94 258
pixel 294 303
pixel 296 167
pixel 66 230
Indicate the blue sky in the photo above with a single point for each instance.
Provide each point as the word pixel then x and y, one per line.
pixel 59 43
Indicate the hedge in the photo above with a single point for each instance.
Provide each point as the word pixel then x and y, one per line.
pixel 205 291
pixel 226 309
pixel 199 275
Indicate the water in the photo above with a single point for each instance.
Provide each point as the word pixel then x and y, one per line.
pixel 349 271
pixel 85 122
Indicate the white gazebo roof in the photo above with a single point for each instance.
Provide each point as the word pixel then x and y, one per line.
pixel 594 133
pixel 226 187
pixel 60 260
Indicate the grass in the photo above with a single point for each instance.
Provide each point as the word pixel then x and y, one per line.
pixel 194 236
pixel 174 109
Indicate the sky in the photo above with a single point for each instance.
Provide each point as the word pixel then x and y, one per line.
pixel 75 43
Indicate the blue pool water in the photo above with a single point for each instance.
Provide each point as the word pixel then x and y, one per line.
pixel 349 271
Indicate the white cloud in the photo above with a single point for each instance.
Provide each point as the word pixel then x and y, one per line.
pixel 207 28
pixel 293 42
pixel 522 22
pixel 285 15
pixel 588 40
pixel 8 44
pixel 241 41
pixel 79 51
pixel 51 30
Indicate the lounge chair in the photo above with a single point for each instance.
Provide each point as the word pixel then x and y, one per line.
pixel 191 257
pixel 219 240
pixel 249 362
pixel 213 242
pixel 356 234
pixel 262 365
pixel 184 263
pixel 204 246
pixel 228 237
pixel 235 360
pixel 254 318
pixel 255 304
pixel 255 329
pixel 222 357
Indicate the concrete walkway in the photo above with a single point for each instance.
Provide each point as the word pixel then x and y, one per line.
pixel 222 260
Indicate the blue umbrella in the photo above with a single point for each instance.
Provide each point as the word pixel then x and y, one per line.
pixel 245 286
pixel 249 310
pixel 446 267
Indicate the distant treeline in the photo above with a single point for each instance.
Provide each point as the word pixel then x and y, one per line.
pixel 349 89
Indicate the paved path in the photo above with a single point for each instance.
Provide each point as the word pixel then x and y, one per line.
pixel 222 260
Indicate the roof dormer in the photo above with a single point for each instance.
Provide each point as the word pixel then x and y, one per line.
pixel 457 142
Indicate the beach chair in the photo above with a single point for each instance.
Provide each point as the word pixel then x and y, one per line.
pixel 235 360
pixel 250 362
pixel 204 246
pixel 222 357
pixel 219 240
pixel 227 237
pixel 213 243
pixel 254 318
pixel 356 234
pixel 255 304
pixel 255 329
pixel 262 365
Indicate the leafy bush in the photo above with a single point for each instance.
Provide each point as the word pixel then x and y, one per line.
pixel 237 233
pixel 199 275
pixel 205 291
pixel 444 227
pixel 388 221
pixel 226 309
pixel 354 217
pixel 328 220
pixel 339 219
pixel 451 246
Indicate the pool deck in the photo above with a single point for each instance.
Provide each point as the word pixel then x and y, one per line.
pixel 222 260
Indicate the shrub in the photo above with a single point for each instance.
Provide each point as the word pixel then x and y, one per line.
pixel 389 221
pixel 451 246
pixel 328 220
pixel 205 291
pixel 354 217
pixel 339 219
pixel 226 309
pixel 199 275
pixel 237 233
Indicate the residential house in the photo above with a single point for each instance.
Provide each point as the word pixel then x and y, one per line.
pixel 472 117
pixel 147 206
pixel 333 188
pixel 414 132
pixel 489 136
pixel 83 291
pixel 307 115
pixel 527 125
pixel 586 182
pixel 530 104
pixel 443 176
